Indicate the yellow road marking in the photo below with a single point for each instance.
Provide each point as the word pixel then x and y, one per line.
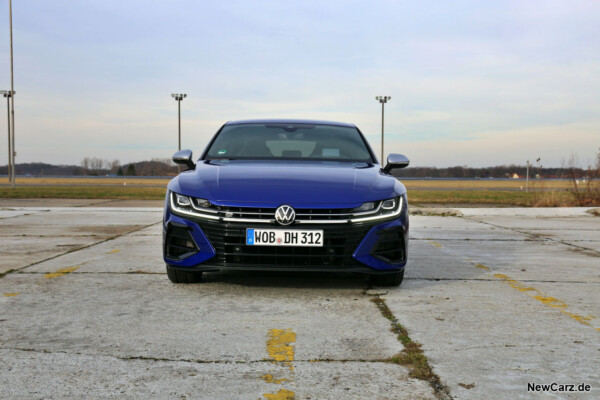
pixel 11 294
pixel 435 244
pixel 60 272
pixel 515 284
pixel 280 346
pixel 481 266
pixel 114 251
pixel 546 300
pixel 270 379
pixel 282 394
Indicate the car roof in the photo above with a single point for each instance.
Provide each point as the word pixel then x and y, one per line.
pixel 289 121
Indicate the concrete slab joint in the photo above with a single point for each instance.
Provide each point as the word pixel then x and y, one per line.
pixel 493 300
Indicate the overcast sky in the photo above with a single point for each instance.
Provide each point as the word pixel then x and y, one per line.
pixel 476 83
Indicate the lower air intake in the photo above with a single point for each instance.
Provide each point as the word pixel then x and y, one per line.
pixel 390 248
pixel 179 243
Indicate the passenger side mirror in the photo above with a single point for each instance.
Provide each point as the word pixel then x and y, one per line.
pixel 184 157
pixel 396 161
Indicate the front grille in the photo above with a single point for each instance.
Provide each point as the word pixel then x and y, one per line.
pixel 179 243
pixel 390 246
pixel 229 241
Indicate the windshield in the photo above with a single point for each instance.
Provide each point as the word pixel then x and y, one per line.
pixel 289 142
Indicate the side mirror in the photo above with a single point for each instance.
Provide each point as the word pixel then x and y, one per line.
pixel 396 161
pixel 184 157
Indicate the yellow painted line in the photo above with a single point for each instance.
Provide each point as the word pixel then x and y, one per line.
pixel 546 300
pixel 114 251
pixel 280 346
pixel 282 394
pixel 60 272
pixel 270 379
pixel 481 266
pixel 435 244
pixel 11 294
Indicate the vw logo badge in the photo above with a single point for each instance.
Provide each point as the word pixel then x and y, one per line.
pixel 285 215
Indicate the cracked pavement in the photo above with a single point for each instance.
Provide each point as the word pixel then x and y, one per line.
pixel 497 300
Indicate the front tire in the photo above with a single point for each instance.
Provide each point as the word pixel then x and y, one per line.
pixel 180 276
pixel 390 279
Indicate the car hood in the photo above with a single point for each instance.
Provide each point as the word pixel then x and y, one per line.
pixel 274 183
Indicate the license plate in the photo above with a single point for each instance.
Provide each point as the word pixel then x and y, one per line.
pixel 284 237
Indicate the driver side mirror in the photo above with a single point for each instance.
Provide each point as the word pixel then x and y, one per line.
pixel 184 157
pixel 396 161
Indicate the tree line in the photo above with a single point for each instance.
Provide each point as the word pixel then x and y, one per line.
pixel 92 166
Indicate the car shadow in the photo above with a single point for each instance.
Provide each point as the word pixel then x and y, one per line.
pixel 290 279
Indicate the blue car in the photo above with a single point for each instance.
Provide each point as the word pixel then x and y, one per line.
pixel 286 195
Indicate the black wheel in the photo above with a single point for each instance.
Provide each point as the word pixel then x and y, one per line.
pixel 179 276
pixel 391 279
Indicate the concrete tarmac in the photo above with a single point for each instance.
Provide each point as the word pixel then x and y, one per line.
pixel 498 299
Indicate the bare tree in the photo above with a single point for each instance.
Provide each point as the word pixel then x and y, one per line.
pixel 166 161
pixel 114 166
pixel 96 165
pixel 586 188
pixel 85 165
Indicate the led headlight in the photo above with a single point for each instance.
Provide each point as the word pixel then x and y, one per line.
pixel 388 204
pixel 365 207
pixel 193 206
pixel 389 208
pixel 202 203
pixel 182 200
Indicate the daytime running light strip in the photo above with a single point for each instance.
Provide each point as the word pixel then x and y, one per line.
pixel 182 211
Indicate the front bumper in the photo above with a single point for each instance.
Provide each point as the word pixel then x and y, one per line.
pixel 197 244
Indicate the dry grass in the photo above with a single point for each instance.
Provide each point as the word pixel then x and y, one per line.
pixel 99 181
pixel 84 192
pixel 491 197
pixel 541 194
pixel 483 184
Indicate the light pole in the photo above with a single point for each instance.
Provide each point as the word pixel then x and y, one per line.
pixel 382 100
pixel 7 95
pixel 527 179
pixel 178 97
pixel 12 90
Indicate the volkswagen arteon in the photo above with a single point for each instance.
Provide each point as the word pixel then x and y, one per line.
pixel 292 195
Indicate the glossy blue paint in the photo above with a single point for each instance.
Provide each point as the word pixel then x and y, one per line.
pixel 276 182
pixel 362 252
pixel 206 250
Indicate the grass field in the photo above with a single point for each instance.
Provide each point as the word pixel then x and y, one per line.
pixel 84 192
pixel 491 192
pixel 94 181
pixel 491 197
pixel 514 184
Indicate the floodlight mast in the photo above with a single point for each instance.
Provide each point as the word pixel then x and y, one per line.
pixel 7 94
pixel 179 97
pixel 382 100
pixel 12 91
